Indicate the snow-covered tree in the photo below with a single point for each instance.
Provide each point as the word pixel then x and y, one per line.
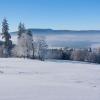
pixel 25 45
pixel 41 47
pixel 6 36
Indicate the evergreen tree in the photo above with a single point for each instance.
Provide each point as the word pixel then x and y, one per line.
pixel 29 32
pixel 6 36
pixel 21 29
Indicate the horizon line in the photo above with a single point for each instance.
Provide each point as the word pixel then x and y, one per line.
pixel 60 29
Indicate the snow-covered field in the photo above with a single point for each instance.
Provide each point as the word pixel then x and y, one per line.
pixel 23 79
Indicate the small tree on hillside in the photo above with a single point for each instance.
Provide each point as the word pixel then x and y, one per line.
pixel 6 36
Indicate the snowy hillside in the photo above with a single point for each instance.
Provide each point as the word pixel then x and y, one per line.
pixel 23 79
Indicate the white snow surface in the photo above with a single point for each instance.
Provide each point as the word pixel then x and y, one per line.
pixel 23 79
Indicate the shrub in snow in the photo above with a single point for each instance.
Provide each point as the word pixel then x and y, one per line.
pixel 66 54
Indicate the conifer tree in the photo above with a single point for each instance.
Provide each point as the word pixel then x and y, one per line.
pixel 21 29
pixel 6 36
pixel 29 32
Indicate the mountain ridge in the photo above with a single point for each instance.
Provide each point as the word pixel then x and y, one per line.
pixel 52 31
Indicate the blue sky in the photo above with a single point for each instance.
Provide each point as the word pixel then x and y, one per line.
pixel 55 14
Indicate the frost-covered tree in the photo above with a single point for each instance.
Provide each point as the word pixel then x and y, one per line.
pixel 41 47
pixel 25 45
pixel 21 29
pixel 6 36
